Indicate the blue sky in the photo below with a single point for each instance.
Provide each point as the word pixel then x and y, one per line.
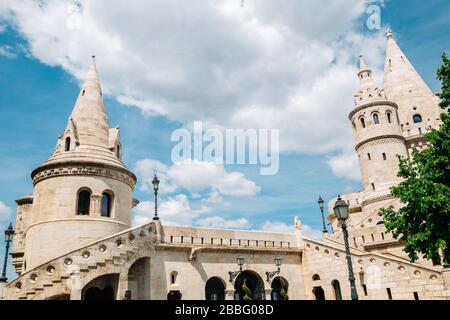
pixel 221 68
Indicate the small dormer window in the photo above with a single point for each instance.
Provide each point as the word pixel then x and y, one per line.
pixel 67 144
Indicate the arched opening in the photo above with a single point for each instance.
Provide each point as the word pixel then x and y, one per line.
pixel 62 296
pixel 336 290
pixel 315 277
pixel 106 204
pixel 388 115
pixel 67 144
pixel 118 152
pixel 417 118
pixel 318 293
pixel 101 288
pixel 280 288
pixel 84 202
pixel 363 122
pixel 173 277
pixel 249 286
pixel 174 295
pixel 376 119
pixel 139 279
pixel 215 289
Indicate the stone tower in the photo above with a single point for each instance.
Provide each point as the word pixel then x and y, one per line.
pixel 82 193
pixel 378 137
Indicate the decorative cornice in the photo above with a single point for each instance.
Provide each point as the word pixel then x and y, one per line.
pixel 388 136
pixel 371 104
pixel 376 199
pixel 83 169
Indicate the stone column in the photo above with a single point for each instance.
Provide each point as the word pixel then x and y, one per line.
pixel 268 294
pixel 229 294
pixel 2 289
pixel 96 201
pixel 122 286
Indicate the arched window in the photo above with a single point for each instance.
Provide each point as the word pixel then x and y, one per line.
pixel 417 118
pixel 215 289
pixel 67 144
pixel 336 289
pixel 363 122
pixel 388 115
pixel 173 277
pixel 315 277
pixel 84 202
pixel 118 152
pixel 106 204
pixel 376 119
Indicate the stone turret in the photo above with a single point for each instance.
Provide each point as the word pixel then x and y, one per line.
pixel 83 192
pixel 378 137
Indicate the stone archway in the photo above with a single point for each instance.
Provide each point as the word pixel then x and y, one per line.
pixel 319 294
pixel 139 279
pixel 215 289
pixel 249 286
pixel 280 287
pixel 101 288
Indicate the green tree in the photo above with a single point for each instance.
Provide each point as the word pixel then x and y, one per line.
pixel 283 292
pixel 246 291
pixel 423 222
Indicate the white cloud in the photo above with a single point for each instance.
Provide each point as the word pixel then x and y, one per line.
pixel 345 165
pixel 195 176
pixel 270 64
pixel 6 50
pixel 5 211
pixel 173 211
pixel 219 222
pixel 277 226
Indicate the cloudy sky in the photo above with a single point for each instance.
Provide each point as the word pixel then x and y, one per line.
pixel 288 65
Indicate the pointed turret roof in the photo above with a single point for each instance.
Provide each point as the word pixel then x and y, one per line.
pixel 87 133
pixel 400 77
pixel 89 113
pixel 368 89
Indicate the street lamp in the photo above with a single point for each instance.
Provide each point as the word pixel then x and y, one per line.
pixel 155 183
pixel 233 274
pixel 320 202
pixel 341 211
pixel 9 233
pixel 272 274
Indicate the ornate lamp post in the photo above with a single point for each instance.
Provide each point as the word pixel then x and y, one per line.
pixel 272 274
pixel 233 274
pixel 341 210
pixel 9 233
pixel 155 183
pixel 320 202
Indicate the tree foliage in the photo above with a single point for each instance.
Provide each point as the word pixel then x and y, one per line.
pixel 423 222
pixel 246 291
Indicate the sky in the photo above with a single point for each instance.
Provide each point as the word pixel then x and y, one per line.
pixel 163 64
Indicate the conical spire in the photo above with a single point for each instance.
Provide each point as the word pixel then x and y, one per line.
pixel 365 74
pixel 89 113
pixel 400 77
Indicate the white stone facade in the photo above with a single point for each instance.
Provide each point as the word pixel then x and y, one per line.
pixel 65 249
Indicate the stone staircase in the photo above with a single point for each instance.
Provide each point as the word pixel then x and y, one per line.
pixel 71 272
